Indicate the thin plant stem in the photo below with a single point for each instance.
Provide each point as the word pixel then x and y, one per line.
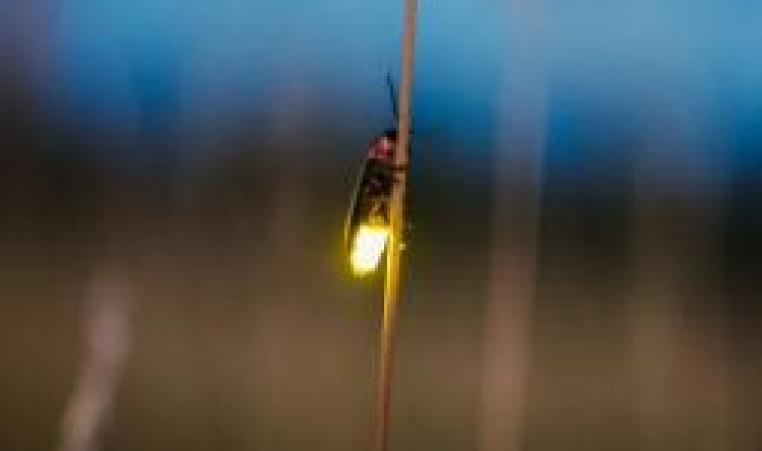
pixel 392 281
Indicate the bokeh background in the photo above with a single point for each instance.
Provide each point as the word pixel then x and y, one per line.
pixel 585 257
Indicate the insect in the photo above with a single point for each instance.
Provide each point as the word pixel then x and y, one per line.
pixel 367 230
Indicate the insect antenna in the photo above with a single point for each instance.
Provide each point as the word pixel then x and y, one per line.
pixel 392 97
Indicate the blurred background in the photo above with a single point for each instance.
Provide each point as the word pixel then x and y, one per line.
pixel 585 256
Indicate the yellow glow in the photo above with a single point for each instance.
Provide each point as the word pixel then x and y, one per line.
pixel 367 247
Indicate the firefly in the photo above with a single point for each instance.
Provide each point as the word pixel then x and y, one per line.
pixel 367 228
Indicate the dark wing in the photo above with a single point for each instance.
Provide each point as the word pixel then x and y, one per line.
pixel 356 203
pixel 372 190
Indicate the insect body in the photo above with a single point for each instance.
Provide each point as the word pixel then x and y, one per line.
pixel 367 225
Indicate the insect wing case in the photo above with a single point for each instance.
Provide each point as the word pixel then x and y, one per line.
pixel 370 200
